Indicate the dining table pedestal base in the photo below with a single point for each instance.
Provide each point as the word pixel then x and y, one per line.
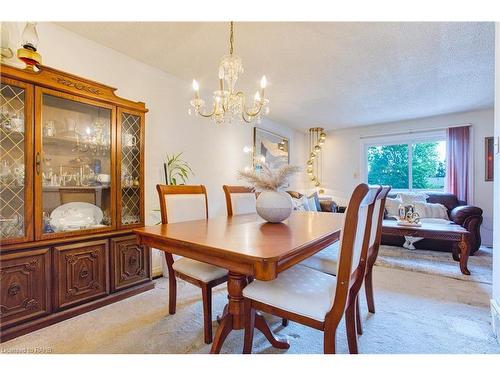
pixel 233 317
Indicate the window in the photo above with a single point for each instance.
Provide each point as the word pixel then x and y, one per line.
pixel 417 164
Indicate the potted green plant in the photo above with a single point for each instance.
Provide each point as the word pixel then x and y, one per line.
pixel 177 170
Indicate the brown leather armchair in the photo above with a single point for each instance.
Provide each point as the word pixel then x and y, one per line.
pixel 469 217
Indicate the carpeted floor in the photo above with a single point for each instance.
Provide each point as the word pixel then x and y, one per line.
pixel 416 313
pixel 438 263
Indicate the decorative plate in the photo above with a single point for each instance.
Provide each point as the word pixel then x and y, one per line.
pixel 75 215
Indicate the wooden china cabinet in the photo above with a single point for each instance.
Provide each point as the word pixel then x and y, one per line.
pixel 71 191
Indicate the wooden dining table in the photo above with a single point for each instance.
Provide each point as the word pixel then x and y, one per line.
pixel 248 247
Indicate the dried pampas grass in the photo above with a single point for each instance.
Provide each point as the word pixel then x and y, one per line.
pixel 267 178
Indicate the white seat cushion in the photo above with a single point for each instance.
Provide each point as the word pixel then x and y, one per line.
pixel 198 270
pixel 324 260
pixel 300 290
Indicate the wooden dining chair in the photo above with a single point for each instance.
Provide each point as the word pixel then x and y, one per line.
pixel 312 297
pixel 326 261
pixel 186 203
pixel 373 253
pixel 241 200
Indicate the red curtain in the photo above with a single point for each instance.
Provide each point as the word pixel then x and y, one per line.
pixel 457 162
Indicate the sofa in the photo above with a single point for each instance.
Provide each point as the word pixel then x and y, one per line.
pixel 469 217
pixel 323 205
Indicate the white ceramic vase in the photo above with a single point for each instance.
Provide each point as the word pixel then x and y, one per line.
pixel 274 206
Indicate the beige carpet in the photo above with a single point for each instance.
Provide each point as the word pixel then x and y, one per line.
pixel 416 313
pixel 438 263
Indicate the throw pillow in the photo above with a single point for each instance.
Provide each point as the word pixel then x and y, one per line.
pixel 431 210
pixel 315 197
pixel 312 204
pixel 392 206
pixel 300 204
pixel 412 198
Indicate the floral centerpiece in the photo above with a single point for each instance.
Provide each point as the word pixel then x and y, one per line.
pixel 273 204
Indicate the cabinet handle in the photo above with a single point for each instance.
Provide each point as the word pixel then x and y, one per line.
pixel 14 288
pixel 84 273
pixel 37 163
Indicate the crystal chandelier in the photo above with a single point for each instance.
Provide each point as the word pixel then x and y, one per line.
pixel 228 103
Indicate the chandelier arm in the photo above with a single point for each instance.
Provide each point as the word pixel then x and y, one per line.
pixel 248 121
pixel 245 110
pixel 207 114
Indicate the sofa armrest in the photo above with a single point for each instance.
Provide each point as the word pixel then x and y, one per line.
pixel 328 206
pixel 460 213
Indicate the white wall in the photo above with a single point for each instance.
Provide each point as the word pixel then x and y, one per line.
pixel 214 152
pixel 496 240
pixel 342 162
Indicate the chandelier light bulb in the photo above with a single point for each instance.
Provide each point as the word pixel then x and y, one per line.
pixel 247 149
pixel 196 87
pixel 263 82
pixel 317 148
pixel 322 136
pixel 257 97
pixel 313 155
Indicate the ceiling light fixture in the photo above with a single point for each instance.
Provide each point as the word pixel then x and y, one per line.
pixel 317 137
pixel 230 104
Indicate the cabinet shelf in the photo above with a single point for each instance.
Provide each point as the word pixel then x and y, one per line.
pixel 56 188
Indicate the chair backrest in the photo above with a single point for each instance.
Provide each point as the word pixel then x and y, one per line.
pixel 182 203
pixel 363 229
pixel 378 217
pixel 353 244
pixel 240 200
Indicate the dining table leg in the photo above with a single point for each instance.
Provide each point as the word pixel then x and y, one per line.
pixel 233 317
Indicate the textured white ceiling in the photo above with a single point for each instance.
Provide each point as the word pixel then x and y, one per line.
pixel 330 74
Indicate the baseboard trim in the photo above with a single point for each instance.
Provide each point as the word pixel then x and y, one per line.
pixel 495 318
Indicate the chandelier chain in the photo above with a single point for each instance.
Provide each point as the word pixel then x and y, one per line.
pixel 231 38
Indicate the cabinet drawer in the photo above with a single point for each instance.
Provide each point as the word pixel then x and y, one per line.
pixel 25 286
pixel 81 272
pixel 130 263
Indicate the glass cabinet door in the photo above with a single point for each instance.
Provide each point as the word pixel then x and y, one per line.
pixel 74 165
pixel 16 165
pixel 130 155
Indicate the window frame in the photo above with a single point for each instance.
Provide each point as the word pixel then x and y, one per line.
pixel 399 139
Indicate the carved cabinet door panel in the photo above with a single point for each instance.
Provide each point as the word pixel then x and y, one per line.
pixel 25 286
pixel 130 263
pixel 81 271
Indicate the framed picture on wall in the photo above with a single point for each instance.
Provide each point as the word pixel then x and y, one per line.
pixel 488 153
pixel 272 148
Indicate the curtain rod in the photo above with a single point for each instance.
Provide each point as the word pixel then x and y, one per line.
pixel 412 131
